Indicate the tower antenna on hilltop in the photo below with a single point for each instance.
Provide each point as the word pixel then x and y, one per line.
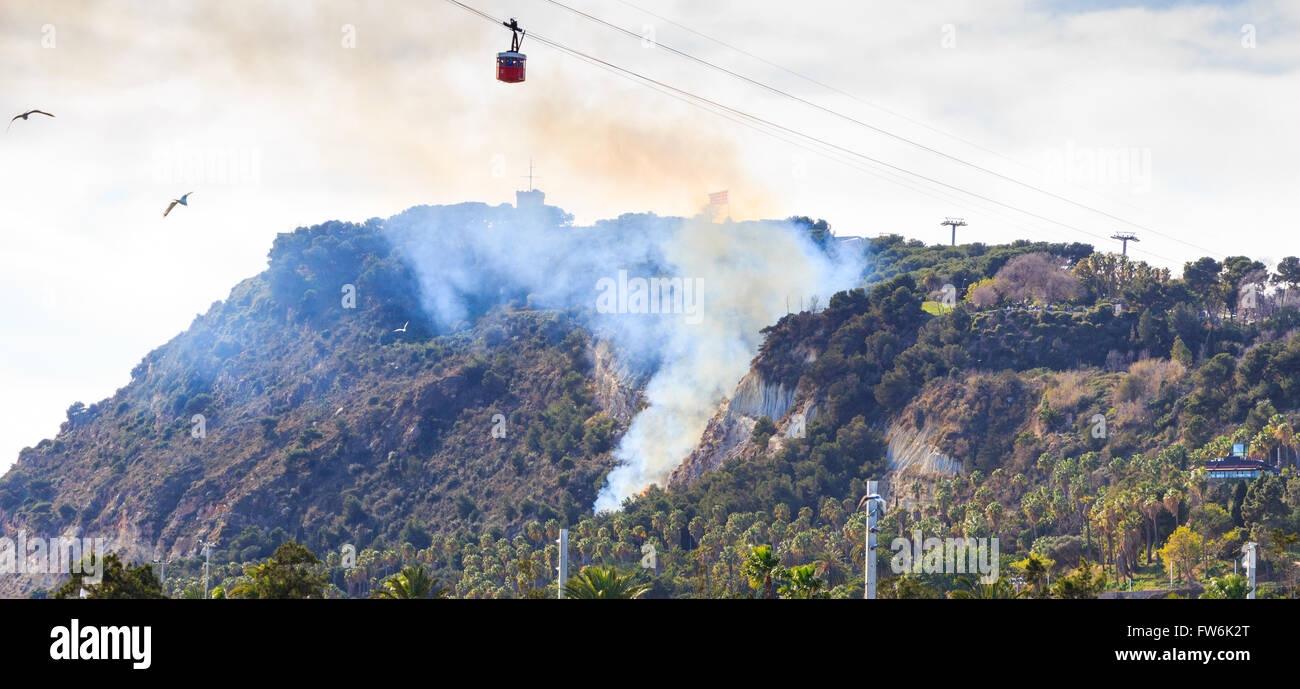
pixel 530 174
pixel 1125 237
pixel 533 198
pixel 954 223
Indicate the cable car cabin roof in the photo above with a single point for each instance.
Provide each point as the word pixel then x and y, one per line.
pixel 510 66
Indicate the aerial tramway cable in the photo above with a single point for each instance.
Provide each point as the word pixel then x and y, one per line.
pixel 720 108
pixel 874 128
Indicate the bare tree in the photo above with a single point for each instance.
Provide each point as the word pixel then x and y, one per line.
pixel 1036 277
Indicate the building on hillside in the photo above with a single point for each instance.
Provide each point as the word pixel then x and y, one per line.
pixel 1238 467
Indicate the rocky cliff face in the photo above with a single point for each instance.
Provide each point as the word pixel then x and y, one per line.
pixel 729 432
pixel 911 456
pixel 618 387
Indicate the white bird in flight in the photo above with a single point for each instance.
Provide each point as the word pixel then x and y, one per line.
pixel 25 115
pixel 183 200
pixel 403 328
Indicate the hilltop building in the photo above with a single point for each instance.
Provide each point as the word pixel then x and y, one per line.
pixel 531 199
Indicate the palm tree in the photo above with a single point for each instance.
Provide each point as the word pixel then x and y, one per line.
pixel 1197 482
pixel 412 582
pixel 603 582
pixel 1284 433
pixel 1001 588
pixel 804 583
pixel 993 512
pixel 1032 506
pixel 831 570
pixel 759 567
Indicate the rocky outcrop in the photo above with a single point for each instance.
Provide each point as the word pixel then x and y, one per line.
pixel 729 432
pixel 618 387
pixel 911 456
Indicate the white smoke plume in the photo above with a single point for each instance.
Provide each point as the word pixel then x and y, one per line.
pixel 749 272
pixel 746 273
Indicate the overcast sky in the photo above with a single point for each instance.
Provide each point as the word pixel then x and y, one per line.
pixel 353 109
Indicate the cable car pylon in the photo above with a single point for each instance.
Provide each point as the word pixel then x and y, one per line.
pixel 511 63
pixel 1125 237
pixel 954 223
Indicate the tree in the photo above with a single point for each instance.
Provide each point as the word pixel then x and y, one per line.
pixel 1034 568
pixel 1280 549
pixel 1202 279
pixel 764 429
pixel 1181 353
pixel 906 587
pixel 1239 271
pixel 1181 553
pixel 1284 434
pixel 972 589
pixel 1152 331
pixel 982 294
pixel 1032 506
pixel 411 583
pixel 415 534
pixel 994 513
pixel 603 582
pixel 1288 273
pixel 1238 497
pixel 1084 582
pixel 1263 500
pixel 760 567
pixel 804 583
pixel 1234 586
pixel 1036 277
pixel 292 572
pixel 1109 275
pixel 119 581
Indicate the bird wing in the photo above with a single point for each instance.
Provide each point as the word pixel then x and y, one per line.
pixel 170 206
pixel 39 112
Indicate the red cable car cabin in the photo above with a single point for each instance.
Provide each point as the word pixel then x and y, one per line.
pixel 510 67
pixel 510 64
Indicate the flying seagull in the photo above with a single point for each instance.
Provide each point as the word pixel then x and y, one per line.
pixel 183 200
pixel 403 328
pixel 24 116
pixel 873 497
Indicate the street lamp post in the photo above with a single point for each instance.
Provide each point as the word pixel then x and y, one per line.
pixel 563 569
pixel 207 558
pixel 162 569
pixel 1248 563
pixel 872 499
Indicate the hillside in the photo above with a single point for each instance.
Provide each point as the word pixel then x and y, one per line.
pixel 972 380
pixel 289 409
